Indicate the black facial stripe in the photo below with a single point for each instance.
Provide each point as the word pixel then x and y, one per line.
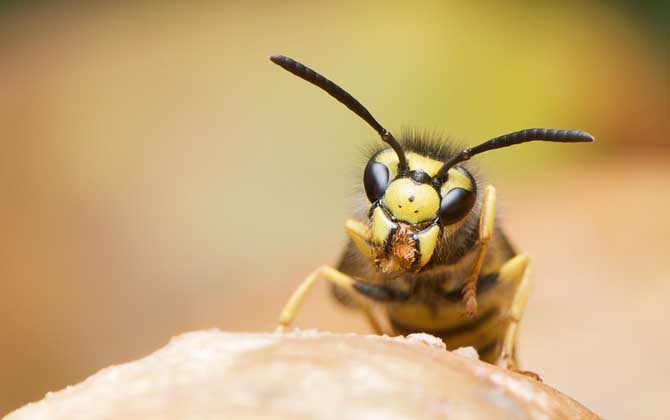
pixel 417 245
pixel 388 242
pixel 420 176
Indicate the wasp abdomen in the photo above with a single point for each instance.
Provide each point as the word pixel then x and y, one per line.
pixel 483 332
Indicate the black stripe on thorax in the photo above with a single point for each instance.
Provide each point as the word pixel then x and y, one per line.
pixel 380 292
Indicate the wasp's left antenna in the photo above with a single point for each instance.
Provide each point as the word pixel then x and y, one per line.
pixel 345 98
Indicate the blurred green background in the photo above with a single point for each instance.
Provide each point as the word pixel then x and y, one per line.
pixel 160 175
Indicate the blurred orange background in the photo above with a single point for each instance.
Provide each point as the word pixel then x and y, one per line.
pixel 160 175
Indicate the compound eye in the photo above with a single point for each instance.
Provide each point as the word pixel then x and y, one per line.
pixel 456 205
pixel 375 180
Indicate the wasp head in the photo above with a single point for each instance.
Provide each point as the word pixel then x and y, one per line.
pixel 411 208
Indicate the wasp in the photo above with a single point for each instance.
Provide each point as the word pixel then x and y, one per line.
pixel 426 253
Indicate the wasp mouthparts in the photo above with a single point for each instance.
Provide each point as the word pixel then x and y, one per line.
pixel 402 253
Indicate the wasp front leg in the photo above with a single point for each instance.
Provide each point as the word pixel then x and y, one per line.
pixel 486 219
pixel 355 288
pixel 332 275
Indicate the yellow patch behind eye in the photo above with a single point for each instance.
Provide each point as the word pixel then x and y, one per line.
pixel 456 179
pixel 390 160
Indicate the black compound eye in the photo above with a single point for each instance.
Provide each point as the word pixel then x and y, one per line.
pixel 375 180
pixel 456 204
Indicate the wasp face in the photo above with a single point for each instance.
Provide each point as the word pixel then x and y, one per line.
pixel 410 210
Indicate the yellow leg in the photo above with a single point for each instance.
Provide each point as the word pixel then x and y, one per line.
pixel 516 271
pixel 360 236
pixel 334 276
pixel 486 219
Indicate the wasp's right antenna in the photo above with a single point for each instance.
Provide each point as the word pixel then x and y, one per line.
pixel 517 137
pixel 345 98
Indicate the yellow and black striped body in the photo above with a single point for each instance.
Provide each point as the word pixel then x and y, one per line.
pixel 425 243
pixel 430 299
pixel 434 298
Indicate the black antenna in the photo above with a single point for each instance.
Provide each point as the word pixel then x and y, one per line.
pixel 518 137
pixel 345 98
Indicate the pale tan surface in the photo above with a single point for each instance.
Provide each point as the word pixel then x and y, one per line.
pixel 159 175
pixel 305 375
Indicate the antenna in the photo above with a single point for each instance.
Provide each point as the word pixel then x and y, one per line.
pixel 345 98
pixel 517 137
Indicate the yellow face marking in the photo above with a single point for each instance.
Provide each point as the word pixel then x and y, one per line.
pixel 382 226
pixel 456 179
pixel 411 202
pixel 427 241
